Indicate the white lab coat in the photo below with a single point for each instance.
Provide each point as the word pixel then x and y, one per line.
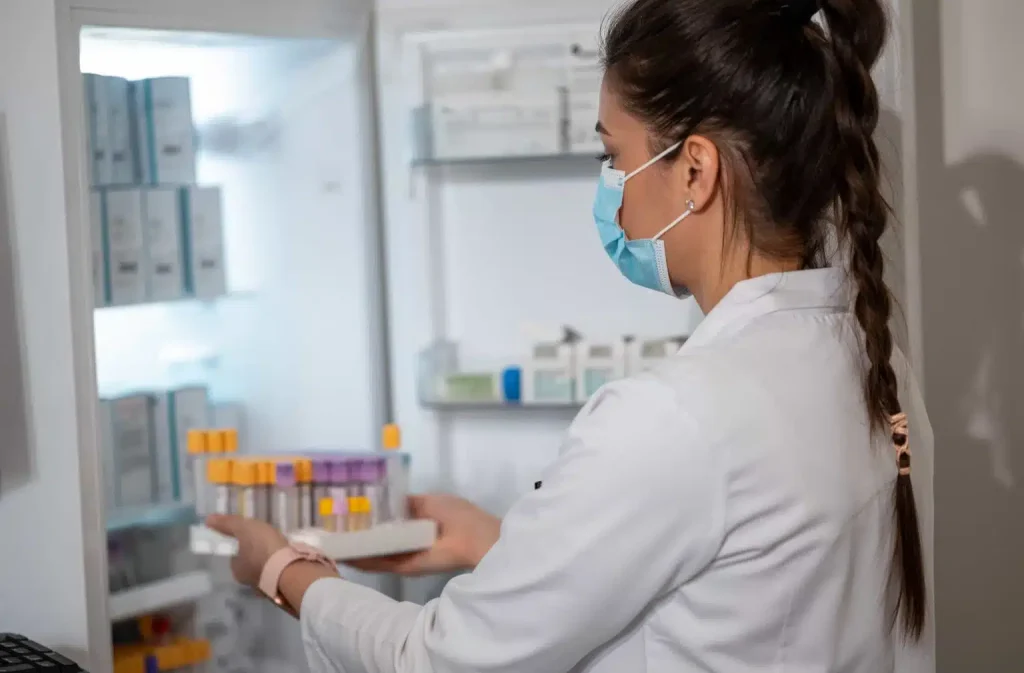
pixel 727 512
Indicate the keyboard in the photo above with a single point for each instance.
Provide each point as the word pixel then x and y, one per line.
pixel 18 654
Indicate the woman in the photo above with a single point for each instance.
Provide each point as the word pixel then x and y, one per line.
pixel 747 506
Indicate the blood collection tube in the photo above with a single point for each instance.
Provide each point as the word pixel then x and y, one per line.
pixel 286 493
pixel 396 474
pixel 338 492
pixel 261 499
pixel 245 487
pixel 219 472
pixel 327 519
pixel 321 479
pixel 307 506
pixel 375 470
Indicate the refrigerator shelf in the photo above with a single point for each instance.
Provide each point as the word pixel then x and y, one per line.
pixel 155 596
pixel 383 540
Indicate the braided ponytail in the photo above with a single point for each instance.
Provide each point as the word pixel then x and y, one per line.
pixel 857 30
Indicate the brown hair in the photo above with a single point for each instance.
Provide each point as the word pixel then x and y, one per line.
pixel 792 109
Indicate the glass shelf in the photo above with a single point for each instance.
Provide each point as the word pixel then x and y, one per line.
pixel 150 516
pixel 444 405
pixel 576 159
pixel 180 300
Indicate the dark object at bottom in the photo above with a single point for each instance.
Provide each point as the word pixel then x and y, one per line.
pixel 18 654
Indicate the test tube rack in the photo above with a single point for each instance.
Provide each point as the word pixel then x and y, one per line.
pixel 395 537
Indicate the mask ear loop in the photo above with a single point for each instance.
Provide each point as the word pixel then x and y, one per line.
pixel 655 160
pixel 690 207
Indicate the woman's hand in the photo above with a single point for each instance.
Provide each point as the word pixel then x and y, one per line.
pixel 464 534
pixel 257 541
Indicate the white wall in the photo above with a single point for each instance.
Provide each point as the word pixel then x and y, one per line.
pixel 969 161
pixel 41 517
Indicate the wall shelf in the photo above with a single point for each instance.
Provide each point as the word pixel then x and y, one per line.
pixel 148 598
pixel 243 295
pixel 573 159
pixel 444 405
pixel 150 516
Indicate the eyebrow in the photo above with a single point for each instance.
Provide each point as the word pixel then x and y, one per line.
pixel 599 127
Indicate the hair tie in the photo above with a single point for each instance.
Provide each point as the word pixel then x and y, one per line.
pixel 799 12
pixel 901 442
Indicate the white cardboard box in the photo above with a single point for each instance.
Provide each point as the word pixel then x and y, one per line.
pixel 134 481
pixel 204 274
pixel 125 246
pixel 165 138
pixel 111 156
pixel 583 91
pixel 98 129
pixel 164 263
pixel 99 250
pixel 177 412
pixel 496 124
pixel 120 145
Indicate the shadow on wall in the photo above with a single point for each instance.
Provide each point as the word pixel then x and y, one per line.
pixel 15 456
pixel 973 280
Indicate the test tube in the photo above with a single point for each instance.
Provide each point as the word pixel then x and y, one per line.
pixel 215 448
pixel 396 476
pixel 245 487
pixel 197 453
pixel 219 473
pixel 287 497
pixel 327 519
pixel 269 474
pixel 340 477
pixel 376 471
pixel 321 479
pixel 261 501
pixel 304 477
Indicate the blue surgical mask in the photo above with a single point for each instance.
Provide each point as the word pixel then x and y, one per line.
pixel 642 262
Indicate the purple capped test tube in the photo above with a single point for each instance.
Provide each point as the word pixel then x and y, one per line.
pixel 339 491
pixel 287 495
pixel 374 475
pixel 321 484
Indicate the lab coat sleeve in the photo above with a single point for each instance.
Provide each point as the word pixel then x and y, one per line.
pixel 632 508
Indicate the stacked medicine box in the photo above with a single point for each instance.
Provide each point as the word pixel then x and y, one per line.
pixel 156 235
pixel 505 101
pixel 144 444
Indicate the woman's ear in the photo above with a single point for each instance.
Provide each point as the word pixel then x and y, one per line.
pixel 699 163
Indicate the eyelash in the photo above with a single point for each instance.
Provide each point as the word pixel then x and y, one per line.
pixel 604 157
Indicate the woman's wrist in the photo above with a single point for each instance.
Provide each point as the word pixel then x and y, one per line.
pixel 296 580
pixel 481 542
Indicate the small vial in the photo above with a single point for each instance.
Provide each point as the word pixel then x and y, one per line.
pixel 327 519
pixel 340 478
pixel 396 478
pixel 374 478
pixel 218 472
pixel 245 474
pixel 197 454
pixel 304 477
pixel 287 509
pixel 269 479
pixel 321 479
pixel 261 497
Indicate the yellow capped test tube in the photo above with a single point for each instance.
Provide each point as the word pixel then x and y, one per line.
pixel 229 437
pixel 196 441
pixel 265 490
pixel 396 476
pixel 214 441
pixel 218 471
pixel 304 480
pixel 244 479
pixel 328 521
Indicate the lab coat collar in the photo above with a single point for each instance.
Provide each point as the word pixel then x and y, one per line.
pixel 748 300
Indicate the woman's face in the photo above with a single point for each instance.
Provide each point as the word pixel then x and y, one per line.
pixel 652 198
pixel 656 196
